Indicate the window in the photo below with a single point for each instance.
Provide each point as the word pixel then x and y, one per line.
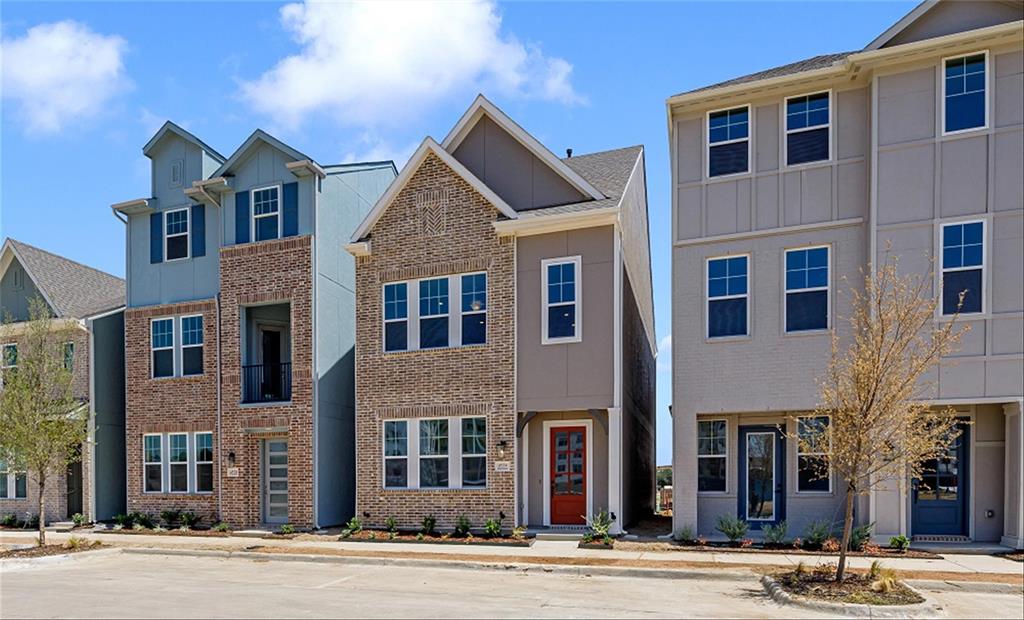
pixel 13 484
pixel 434 313
pixel 727 297
pixel 192 345
pixel 163 347
pixel 712 454
pixel 396 453
pixel 178 448
pixel 474 452
pixel 963 267
pixel 204 462
pixel 10 358
pixel 69 356
pixel 152 464
pixel 176 234
pixel 474 308
pixel 266 214
pixel 728 141
pixel 964 93
pixel 807 289
pixel 560 295
pixel 433 453
pixel 813 473
pixel 396 317
pixel 807 129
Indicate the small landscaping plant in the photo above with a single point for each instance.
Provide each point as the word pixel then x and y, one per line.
pixel 860 536
pixel 142 519
pixel 78 519
pixel 879 586
pixel 900 543
pixel 75 542
pixel 734 528
pixel 600 527
pixel 817 532
pixel 158 529
pixel 287 529
pixel 353 527
pixel 138 527
pixel 429 525
pixel 831 545
pixel 462 526
pixel 775 535
pixel 170 517
pixel 519 532
pixel 685 534
pixel 420 536
pixel 492 528
pixel 391 524
pixel 121 521
pixel 221 527
pixel 9 520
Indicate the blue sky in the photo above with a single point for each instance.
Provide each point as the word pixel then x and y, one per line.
pixel 86 84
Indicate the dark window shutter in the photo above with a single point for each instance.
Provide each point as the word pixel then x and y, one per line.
pixel 198 230
pixel 156 237
pixel 291 210
pixel 242 217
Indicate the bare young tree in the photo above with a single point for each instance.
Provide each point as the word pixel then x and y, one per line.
pixel 43 425
pixel 875 391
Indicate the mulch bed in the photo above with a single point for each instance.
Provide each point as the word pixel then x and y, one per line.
pixel 173 532
pixel 1016 556
pixel 413 537
pixel 856 588
pixel 596 545
pixel 720 547
pixel 47 550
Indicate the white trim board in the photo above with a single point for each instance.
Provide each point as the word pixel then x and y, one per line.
pixel 589 446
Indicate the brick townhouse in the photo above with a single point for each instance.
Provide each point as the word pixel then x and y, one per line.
pixel 505 342
pixel 787 183
pixel 87 305
pixel 239 331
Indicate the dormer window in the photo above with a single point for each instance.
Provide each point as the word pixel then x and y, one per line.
pixel 266 213
pixel 176 234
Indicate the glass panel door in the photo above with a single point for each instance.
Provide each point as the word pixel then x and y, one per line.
pixel 760 476
pixel 568 475
pixel 275 477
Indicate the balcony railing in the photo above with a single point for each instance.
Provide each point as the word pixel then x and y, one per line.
pixel 267 383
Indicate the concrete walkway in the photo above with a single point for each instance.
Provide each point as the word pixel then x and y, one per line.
pixel 548 551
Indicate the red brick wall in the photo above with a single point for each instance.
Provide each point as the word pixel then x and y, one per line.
pixel 445 382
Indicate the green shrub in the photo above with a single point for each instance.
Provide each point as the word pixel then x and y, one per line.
pixel 685 534
pixel 900 543
pixel 420 536
pixel 170 517
pixel 138 527
pixel 9 520
pixel 190 519
pixel 287 529
pixel 462 526
pixel 353 527
pixel 817 532
pixel 32 523
pixel 78 519
pixel 221 527
pixel 733 527
pixel 140 518
pixel 492 528
pixel 122 520
pixel 775 535
pixel 587 538
pixel 391 524
pixel 429 525
pixel 157 529
pixel 601 524
pixel 519 532
pixel 75 542
pixel 860 536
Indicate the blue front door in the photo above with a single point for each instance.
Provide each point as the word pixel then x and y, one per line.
pixel 762 475
pixel 939 497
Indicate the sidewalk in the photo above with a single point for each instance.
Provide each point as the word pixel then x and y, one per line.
pixel 542 552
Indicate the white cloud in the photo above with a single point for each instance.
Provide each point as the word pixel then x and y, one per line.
pixel 61 72
pixel 372 148
pixel 665 354
pixel 373 62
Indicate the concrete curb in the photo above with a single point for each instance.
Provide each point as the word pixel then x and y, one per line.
pixel 972 587
pixel 927 609
pixel 453 564
pixel 9 564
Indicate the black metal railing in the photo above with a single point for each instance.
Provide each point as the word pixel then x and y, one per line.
pixel 266 383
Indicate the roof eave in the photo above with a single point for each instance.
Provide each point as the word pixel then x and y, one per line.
pixel 134 207
pixel 556 223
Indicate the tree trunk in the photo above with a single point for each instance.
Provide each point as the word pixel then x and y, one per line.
pixel 847 531
pixel 42 510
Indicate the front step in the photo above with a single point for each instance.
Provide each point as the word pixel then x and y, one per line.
pixel 251 533
pixel 60 526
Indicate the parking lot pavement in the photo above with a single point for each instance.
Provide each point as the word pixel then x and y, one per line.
pixel 154 586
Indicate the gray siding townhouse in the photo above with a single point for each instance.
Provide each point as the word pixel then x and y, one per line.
pixel 89 304
pixel 788 182
pixel 505 345
pixel 240 330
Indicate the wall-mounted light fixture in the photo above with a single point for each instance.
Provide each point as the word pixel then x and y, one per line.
pixel 231 458
pixel 502 449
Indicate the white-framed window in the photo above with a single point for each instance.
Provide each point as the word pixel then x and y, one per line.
pixel 396 453
pixel 192 345
pixel 8 359
pixel 474 452
pixel 965 93
pixel 13 484
pixel 807 289
pixel 266 213
pixel 814 474
pixel 728 292
pixel 433 457
pixel 474 308
pixel 396 316
pixel 434 310
pixel 808 128
pixel 204 462
pixel 177 448
pixel 712 455
pixel 963 267
pixel 152 463
pixel 69 356
pixel 561 294
pixel 176 227
pixel 162 347
pixel 728 141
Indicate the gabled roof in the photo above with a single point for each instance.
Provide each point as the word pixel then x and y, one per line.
pixel 608 171
pixel 72 290
pixel 904 23
pixel 169 127
pixel 800 66
pixel 428 146
pixel 257 136
pixel 480 107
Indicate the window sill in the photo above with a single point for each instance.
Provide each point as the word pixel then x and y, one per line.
pixel 734 176
pixel 803 333
pixel 716 494
pixel 545 342
pixel 269 403
pixel 433 489
pixel 178 377
pixel 813 494
pixel 747 338
pixel 819 163
pixel 461 347
pixel 13 499
pixel 963 132
pixel 178 495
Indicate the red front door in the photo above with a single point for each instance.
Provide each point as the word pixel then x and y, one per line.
pixel 568 475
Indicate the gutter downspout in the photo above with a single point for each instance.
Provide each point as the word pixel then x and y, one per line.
pixel 220 443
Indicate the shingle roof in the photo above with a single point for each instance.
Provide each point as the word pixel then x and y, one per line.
pixel 76 290
pixel 808 64
pixel 608 171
